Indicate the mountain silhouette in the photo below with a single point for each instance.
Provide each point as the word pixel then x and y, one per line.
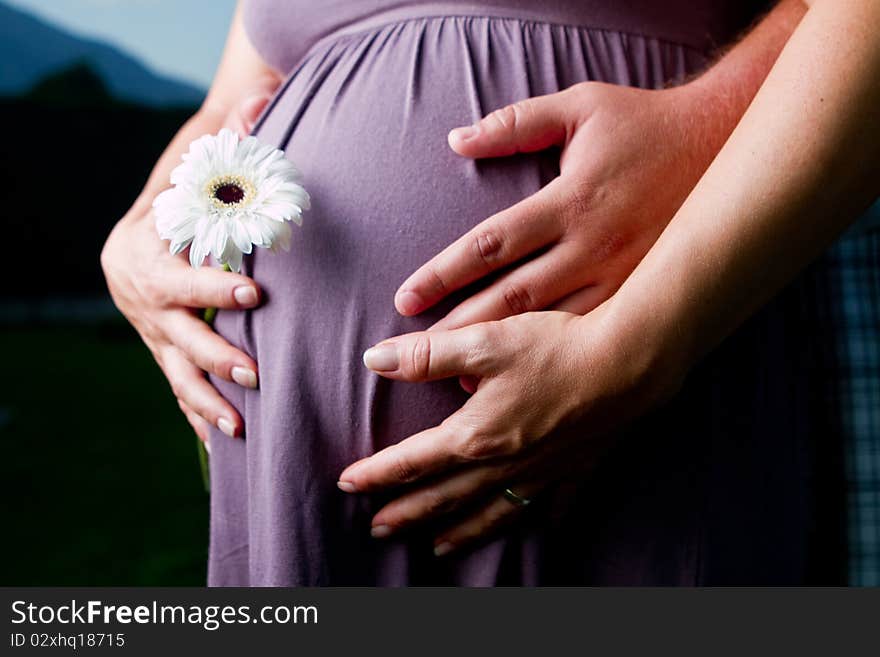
pixel 69 171
pixel 77 86
pixel 31 50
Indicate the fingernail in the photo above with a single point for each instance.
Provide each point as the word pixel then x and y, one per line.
pixel 226 427
pixel 380 531
pixel 346 487
pixel 207 446
pixel 245 295
pixel 408 302
pixel 465 133
pixel 443 548
pixel 244 377
pixel 382 358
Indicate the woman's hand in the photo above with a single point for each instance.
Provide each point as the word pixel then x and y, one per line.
pixel 159 294
pixel 162 296
pixel 739 238
pixel 537 373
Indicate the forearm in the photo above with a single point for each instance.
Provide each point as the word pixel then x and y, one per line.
pixel 241 70
pixel 702 114
pixel 800 166
pixel 719 96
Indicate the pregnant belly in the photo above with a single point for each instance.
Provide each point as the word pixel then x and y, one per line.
pixel 366 123
pixel 365 118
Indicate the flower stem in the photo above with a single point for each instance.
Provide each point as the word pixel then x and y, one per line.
pixel 203 465
pixel 211 313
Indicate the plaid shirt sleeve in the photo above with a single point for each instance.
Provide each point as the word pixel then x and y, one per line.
pixel 854 285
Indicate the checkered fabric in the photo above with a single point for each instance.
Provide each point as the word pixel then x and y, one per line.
pixel 853 269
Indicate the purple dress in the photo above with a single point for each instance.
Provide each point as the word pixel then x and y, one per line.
pixel 372 89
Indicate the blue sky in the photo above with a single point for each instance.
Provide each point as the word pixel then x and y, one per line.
pixel 182 38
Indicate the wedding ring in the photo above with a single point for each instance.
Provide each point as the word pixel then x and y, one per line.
pixel 516 500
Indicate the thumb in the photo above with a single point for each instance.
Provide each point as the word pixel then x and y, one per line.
pixel 244 116
pixel 523 127
pixel 428 356
pixel 255 99
pixel 251 108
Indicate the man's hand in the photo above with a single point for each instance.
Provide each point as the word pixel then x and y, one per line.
pixel 629 159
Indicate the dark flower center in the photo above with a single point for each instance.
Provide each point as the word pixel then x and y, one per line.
pixel 229 193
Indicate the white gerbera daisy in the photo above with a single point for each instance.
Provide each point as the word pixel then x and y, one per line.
pixel 227 196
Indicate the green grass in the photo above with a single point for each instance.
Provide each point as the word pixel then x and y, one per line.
pixel 99 469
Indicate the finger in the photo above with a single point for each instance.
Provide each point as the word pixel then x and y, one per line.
pixel 438 498
pixel 236 123
pixel 416 457
pixel 205 287
pixel 533 286
pixel 190 386
pixel 466 437
pixel 256 98
pixel 488 520
pixel 427 356
pixel 469 383
pixel 498 241
pixel 196 421
pixel 254 101
pixel 208 350
pixel 525 126
pixel 251 108
pixel 582 301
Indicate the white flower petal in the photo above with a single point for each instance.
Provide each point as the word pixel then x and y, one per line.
pixel 186 214
pixel 281 239
pixel 266 227
pixel 218 238
pixel 226 149
pixel 240 235
pixel 182 235
pixel 233 259
pixel 198 251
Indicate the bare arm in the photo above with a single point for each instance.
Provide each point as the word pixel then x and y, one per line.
pixel 240 67
pixel 801 165
pixel 157 292
pixel 629 159
pixel 725 90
